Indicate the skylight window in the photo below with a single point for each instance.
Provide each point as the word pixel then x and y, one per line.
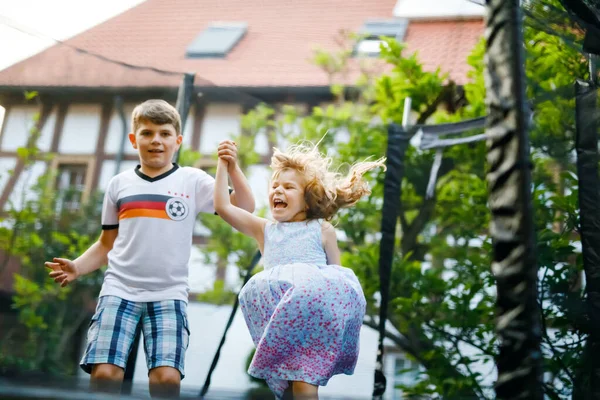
pixel 216 41
pixel 373 31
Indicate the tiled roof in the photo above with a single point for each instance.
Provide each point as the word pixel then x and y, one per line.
pixel 276 50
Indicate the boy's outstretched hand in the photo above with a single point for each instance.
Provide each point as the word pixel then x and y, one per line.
pixel 63 271
pixel 227 151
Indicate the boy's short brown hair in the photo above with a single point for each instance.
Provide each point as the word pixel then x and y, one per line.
pixel 158 112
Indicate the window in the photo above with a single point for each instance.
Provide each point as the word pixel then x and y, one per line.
pixel 2 113
pixel 72 181
pixel 216 41
pixel 371 34
pixel 401 371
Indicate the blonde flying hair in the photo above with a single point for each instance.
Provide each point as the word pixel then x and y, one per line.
pixel 325 190
pixel 158 112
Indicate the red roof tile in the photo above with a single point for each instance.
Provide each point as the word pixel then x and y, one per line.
pixel 276 50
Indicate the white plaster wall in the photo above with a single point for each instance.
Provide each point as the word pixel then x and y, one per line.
pixel 433 9
pixel 289 128
pixel 45 140
pixel 108 171
pixel 80 130
pixel 18 122
pixel 6 165
pixel 221 121
pixel 22 190
pixel 259 177
pixel 261 144
pixel 188 128
pixel 115 131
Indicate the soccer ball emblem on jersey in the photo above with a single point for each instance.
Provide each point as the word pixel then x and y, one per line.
pixel 176 209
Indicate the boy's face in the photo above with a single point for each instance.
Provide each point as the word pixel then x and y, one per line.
pixel 156 145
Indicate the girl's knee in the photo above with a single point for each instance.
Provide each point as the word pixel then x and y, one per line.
pixel 303 390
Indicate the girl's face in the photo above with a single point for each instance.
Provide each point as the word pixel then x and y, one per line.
pixel 286 196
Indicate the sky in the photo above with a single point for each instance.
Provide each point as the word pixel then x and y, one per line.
pixel 59 19
pixel 46 20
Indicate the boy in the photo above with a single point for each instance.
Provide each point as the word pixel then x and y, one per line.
pixel 148 219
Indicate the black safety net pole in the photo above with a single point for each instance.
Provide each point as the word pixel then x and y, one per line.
pixel 509 182
pixel 236 303
pixel 586 143
pixel 398 140
pixel 184 102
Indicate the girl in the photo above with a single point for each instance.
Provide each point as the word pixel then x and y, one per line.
pixel 304 311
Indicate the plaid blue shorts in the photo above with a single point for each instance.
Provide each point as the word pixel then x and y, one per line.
pixel 112 330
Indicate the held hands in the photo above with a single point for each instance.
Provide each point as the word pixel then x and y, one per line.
pixel 63 271
pixel 227 152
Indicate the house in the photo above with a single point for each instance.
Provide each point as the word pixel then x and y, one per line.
pixel 241 52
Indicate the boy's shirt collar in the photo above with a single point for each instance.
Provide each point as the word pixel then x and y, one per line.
pixel 156 178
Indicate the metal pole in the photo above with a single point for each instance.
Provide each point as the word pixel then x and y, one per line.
pixel 184 101
pixel 124 133
pixel 509 179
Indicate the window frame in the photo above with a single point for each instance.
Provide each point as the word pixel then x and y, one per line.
pixel 90 163
pixel 374 30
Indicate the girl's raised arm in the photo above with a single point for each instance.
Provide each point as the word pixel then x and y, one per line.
pixel 238 218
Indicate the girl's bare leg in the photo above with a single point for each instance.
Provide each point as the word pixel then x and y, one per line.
pixel 305 391
pixel 288 395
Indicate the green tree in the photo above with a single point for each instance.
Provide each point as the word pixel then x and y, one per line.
pixel 442 288
pixel 39 224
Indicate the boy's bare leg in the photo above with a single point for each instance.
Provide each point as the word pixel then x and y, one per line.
pixel 305 391
pixel 165 382
pixel 106 378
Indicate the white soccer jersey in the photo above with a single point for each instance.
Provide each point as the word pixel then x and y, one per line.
pixel 155 218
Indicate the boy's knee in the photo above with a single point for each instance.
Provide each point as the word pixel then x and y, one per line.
pixel 106 378
pixel 108 372
pixel 164 382
pixel 165 376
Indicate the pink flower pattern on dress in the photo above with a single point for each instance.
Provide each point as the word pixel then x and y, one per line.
pixel 304 316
